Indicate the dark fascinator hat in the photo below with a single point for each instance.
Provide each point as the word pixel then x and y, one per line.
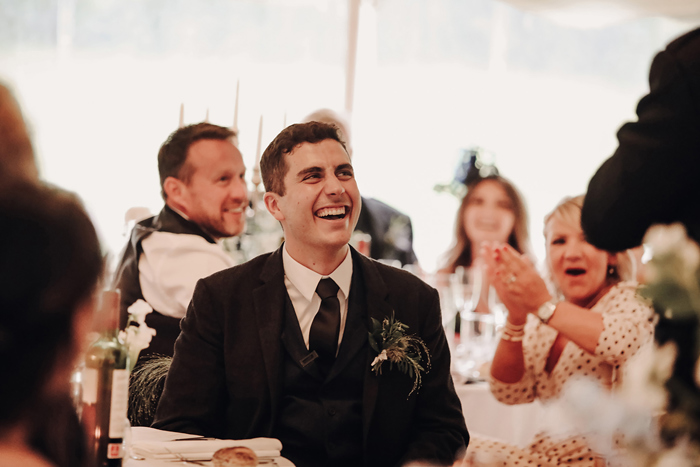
pixel 475 164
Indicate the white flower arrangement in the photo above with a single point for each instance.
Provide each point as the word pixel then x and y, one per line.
pixel 672 274
pixel 137 335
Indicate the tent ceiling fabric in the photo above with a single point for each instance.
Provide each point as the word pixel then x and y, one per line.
pixel 600 13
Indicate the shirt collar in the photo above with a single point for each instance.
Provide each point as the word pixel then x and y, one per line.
pixel 218 240
pixel 306 280
pixel 180 213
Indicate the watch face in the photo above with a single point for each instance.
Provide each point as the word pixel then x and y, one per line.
pixel 545 312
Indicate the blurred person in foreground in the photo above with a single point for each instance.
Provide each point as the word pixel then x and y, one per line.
pixel 50 265
pixel 390 230
pixel 280 347
pixel 203 185
pixel 653 175
pixel 492 210
pixel 16 153
pixel 590 328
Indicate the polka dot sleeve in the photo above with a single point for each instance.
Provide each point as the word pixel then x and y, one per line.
pixel 627 324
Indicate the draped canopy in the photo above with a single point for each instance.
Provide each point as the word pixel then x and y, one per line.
pixel 599 13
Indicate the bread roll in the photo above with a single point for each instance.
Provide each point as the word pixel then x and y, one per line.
pixel 235 456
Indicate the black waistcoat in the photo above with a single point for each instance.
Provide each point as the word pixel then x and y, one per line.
pixel 320 416
pixel 126 277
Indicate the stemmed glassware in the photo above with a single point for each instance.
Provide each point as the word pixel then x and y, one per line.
pixel 478 328
pixel 470 321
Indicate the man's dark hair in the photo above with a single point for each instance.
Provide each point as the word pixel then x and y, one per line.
pixel 173 153
pixel 273 165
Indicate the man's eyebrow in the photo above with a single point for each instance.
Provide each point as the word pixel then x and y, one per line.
pixel 345 166
pixel 309 170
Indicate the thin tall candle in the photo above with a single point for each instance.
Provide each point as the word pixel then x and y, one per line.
pixel 235 109
pixel 256 167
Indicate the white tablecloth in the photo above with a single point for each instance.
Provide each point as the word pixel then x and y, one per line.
pixel 279 462
pixel 514 424
pixel 484 415
pixel 144 434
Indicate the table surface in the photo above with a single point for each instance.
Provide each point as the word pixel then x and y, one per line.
pixel 485 416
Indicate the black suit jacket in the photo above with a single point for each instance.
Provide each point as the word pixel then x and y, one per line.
pixel 225 378
pixel 655 171
pixel 390 229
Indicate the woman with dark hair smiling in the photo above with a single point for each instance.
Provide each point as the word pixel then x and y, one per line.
pixel 492 210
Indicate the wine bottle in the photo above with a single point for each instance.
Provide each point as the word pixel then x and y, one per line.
pixel 105 388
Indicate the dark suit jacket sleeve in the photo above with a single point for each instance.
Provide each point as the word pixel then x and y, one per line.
pixel 390 229
pixel 194 398
pixel 653 173
pixel 439 431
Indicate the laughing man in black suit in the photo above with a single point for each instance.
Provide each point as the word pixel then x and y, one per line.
pixel 262 354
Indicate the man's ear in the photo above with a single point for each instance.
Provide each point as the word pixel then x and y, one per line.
pixel 272 204
pixel 175 191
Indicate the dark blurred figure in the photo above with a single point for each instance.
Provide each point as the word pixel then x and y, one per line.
pixel 390 230
pixel 50 265
pixel 653 175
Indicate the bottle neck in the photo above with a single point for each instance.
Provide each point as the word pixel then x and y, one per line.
pixel 108 318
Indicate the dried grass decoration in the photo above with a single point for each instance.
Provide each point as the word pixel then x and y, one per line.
pixel 389 339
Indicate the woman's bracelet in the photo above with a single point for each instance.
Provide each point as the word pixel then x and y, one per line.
pixel 514 327
pixel 512 336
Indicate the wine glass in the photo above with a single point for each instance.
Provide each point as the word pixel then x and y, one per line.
pixel 477 330
pixel 461 287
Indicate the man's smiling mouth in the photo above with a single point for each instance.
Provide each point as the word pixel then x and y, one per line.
pixel 237 210
pixel 332 213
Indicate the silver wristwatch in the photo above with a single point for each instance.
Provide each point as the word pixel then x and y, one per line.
pixel 545 312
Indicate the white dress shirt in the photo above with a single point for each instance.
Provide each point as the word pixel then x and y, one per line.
pixel 170 266
pixel 301 283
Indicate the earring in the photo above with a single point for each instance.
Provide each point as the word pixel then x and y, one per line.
pixel 612 269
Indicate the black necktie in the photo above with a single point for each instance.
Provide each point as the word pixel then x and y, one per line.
pixel 325 328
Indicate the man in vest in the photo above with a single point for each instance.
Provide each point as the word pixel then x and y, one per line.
pixel 202 183
pixel 280 346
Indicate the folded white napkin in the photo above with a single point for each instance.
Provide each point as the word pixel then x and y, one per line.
pixel 196 449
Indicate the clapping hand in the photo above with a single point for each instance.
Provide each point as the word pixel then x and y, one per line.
pixel 519 286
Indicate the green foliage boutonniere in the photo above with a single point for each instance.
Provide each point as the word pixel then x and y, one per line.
pixel 388 338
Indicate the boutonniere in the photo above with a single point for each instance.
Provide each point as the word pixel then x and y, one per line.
pixel 389 339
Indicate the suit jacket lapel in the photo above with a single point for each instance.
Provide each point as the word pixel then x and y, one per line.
pixel 377 308
pixel 269 302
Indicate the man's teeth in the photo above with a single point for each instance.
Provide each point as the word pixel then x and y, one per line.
pixel 325 212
